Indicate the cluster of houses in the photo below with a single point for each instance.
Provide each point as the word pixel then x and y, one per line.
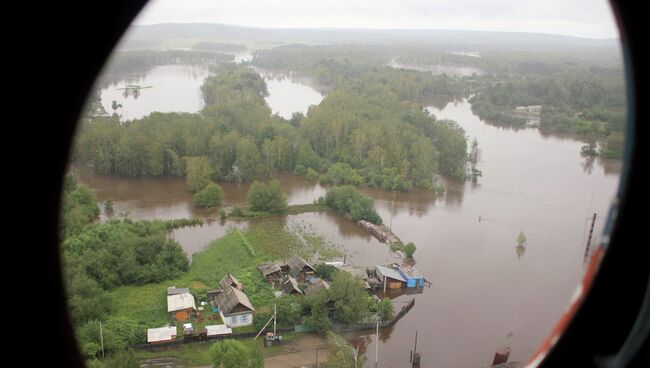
pixel 235 309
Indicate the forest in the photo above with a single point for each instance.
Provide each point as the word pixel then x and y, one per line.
pixel 241 140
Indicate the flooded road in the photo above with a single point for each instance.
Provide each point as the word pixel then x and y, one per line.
pixel 486 292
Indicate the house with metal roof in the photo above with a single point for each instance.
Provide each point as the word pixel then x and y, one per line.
pixel 235 308
pixel 180 306
pixel 414 279
pixel 299 268
pixel 392 278
pixel 161 334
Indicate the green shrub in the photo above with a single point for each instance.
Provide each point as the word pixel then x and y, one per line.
pixel 208 197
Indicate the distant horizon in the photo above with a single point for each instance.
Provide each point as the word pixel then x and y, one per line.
pixel 616 38
pixel 587 19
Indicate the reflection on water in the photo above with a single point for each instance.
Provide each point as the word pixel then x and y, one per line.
pixel 287 95
pixel 174 88
pixel 438 69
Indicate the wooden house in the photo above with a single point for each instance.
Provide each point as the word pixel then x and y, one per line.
pixel 235 308
pixel 290 286
pixel 299 268
pixel 271 271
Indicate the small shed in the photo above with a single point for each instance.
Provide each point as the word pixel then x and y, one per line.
pixel 161 334
pixel 299 268
pixel 270 271
pixel 394 280
pixel 218 330
pixel 181 306
pixel 290 286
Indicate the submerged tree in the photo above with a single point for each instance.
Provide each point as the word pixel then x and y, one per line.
pixel 521 238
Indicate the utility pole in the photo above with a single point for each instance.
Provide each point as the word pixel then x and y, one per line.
pixel 377 345
pixel 101 337
pixel 591 231
pixel 275 316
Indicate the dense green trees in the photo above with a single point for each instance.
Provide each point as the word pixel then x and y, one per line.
pixel 263 198
pixel 350 298
pixel 586 101
pixel 208 197
pixel 101 256
pixel 351 202
pixel 367 131
pixel 385 309
pixel 198 172
pixel 230 353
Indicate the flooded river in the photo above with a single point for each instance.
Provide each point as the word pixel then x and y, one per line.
pixel 486 293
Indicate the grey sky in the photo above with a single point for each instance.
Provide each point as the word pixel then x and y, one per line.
pixel 582 18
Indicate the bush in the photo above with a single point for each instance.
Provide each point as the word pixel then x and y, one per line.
pixel 271 198
pixel 341 173
pixel 300 170
pixel 312 174
pixel 348 200
pixel 409 249
pixel 326 271
pixel 385 309
pixel 208 197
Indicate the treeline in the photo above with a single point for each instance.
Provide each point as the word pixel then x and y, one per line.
pixel 332 65
pixel 100 257
pixel 121 62
pixel 585 101
pixel 370 124
pixel 219 46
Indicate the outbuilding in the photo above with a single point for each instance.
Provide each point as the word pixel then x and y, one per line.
pixel 161 334
pixel 180 305
pixel 393 279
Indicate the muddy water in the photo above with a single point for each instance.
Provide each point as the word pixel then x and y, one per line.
pixel 484 288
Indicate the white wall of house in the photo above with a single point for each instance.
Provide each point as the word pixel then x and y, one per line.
pixel 238 320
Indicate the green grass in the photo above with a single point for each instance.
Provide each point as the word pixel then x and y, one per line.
pixel 199 354
pixel 188 355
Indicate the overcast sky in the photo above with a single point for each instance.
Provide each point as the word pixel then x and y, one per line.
pixel 581 18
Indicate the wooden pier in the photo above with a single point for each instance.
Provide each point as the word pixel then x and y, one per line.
pixel 382 234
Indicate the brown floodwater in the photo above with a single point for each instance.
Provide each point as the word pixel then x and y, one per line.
pixel 486 292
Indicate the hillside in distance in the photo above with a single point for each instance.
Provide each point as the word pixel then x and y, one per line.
pixel 155 36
